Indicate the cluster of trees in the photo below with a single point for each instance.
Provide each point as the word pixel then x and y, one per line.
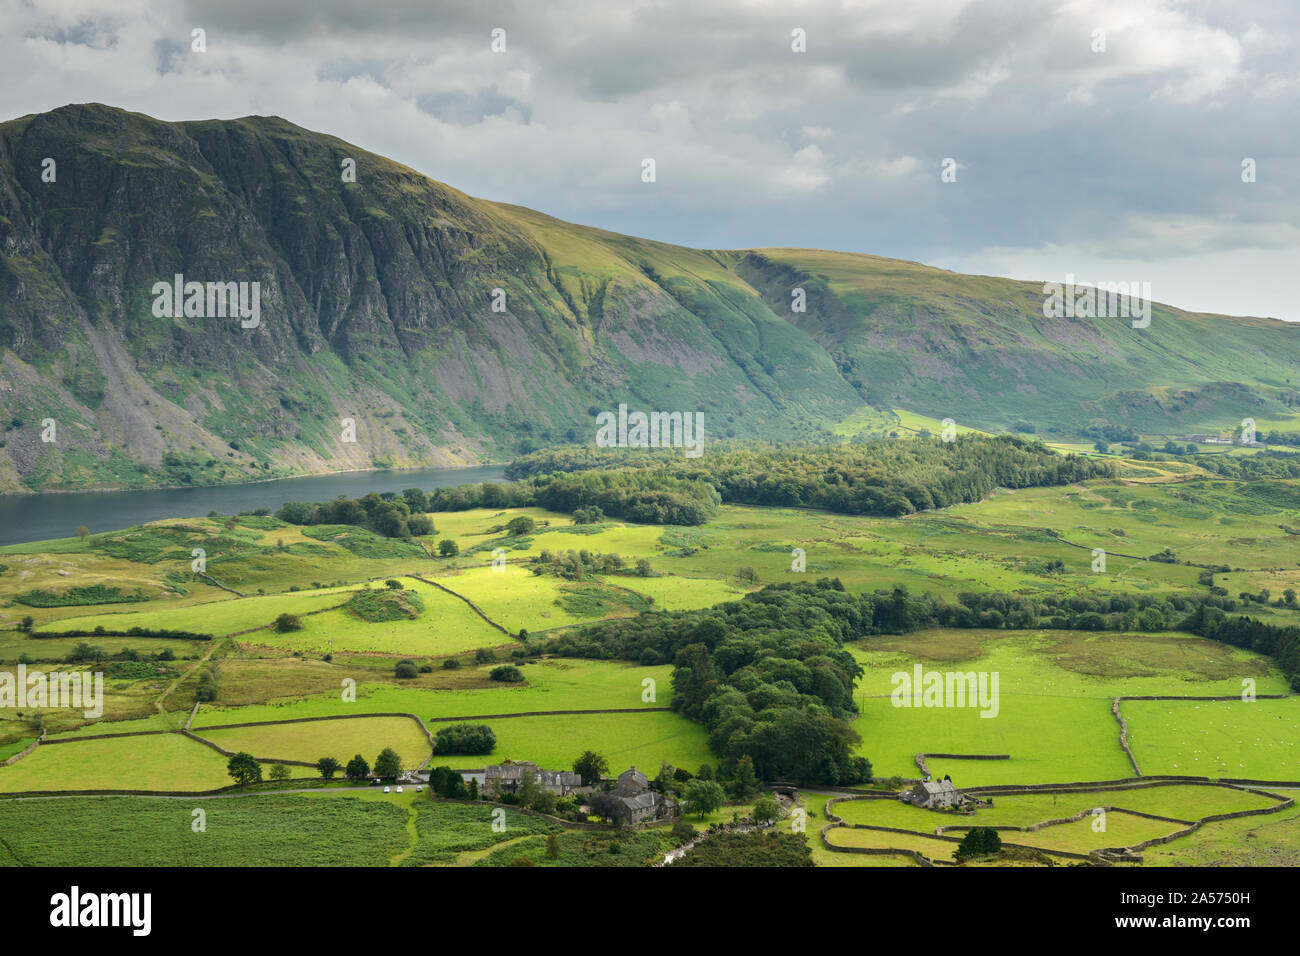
pixel 447 783
pixel 581 565
pixel 1280 643
pixel 978 842
pixel 1264 464
pixel 465 739
pixel 389 514
pixel 886 478
pixel 767 675
pixel 1102 430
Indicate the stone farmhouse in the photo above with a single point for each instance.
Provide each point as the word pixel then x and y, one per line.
pixel 509 776
pixel 637 803
pixel 935 795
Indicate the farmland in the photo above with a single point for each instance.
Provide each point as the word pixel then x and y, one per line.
pixel 1056 688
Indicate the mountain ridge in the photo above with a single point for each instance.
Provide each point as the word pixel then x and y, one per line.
pixel 377 305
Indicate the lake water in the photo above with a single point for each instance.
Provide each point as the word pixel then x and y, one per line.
pixel 37 517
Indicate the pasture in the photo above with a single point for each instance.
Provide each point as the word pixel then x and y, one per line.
pixel 340 739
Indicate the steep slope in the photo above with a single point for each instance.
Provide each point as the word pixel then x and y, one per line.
pixel 980 350
pixel 376 300
pixel 377 305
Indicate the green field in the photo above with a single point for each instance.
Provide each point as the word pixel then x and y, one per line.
pixel 1259 740
pixel 340 739
pixel 447 626
pixel 156 762
pixel 641 740
pixel 1055 692
pixel 559 684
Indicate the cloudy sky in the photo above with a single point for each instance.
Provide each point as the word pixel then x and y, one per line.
pixel 1102 138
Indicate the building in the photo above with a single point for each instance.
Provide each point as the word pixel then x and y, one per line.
pixel 632 777
pixel 635 802
pixel 508 777
pixel 935 795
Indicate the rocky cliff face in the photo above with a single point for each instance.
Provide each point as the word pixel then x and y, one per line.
pixel 447 329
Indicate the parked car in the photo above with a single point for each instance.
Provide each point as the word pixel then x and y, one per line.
pixel 387 789
pixel 418 789
pixel 399 789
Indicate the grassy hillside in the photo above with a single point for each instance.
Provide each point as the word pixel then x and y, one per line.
pixel 377 305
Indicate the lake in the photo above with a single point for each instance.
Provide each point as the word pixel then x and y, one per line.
pixel 37 517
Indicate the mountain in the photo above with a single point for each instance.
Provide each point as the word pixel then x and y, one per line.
pixel 377 305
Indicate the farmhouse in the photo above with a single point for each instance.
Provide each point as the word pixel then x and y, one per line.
pixel 636 802
pixel 509 776
pixel 935 795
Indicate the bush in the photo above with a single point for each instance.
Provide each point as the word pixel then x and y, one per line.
pixel 451 664
pixel 484 655
pixel 507 673
pixel 288 622
pixel 980 841
pixel 405 670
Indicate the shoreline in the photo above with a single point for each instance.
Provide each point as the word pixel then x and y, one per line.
pixel 105 490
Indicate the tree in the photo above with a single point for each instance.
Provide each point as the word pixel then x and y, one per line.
pixel 665 778
pixel 553 846
pixel 388 765
pixel 448 548
pixel 980 841
pixel 507 673
pixel 529 788
pixel 279 772
pixel 328 767
pixel 26 623
pixel 591 767
pixel 745 780
pixel 357 769
pixel 703 796
pixel 520 526
pixel 605 805
pixel 82 532
pixel 465 739
pixel 393 584
pixel 288 622
pixel 643 567
pixel 766 809
pixel 405 669
pixel 245 769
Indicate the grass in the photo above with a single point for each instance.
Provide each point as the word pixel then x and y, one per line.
pixel 289 830
pixel 217 618
pixel 561 684
pixel 445 626
pixel 1055 693
pixel 641 740
pixel 1259 740
pixel 340 739
pixel 159 762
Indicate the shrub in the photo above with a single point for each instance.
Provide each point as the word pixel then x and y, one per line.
pixel 980 841
pixel 507 673
pixel 405 669
pixel 288 622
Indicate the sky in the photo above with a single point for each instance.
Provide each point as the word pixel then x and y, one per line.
pixel 1103 139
